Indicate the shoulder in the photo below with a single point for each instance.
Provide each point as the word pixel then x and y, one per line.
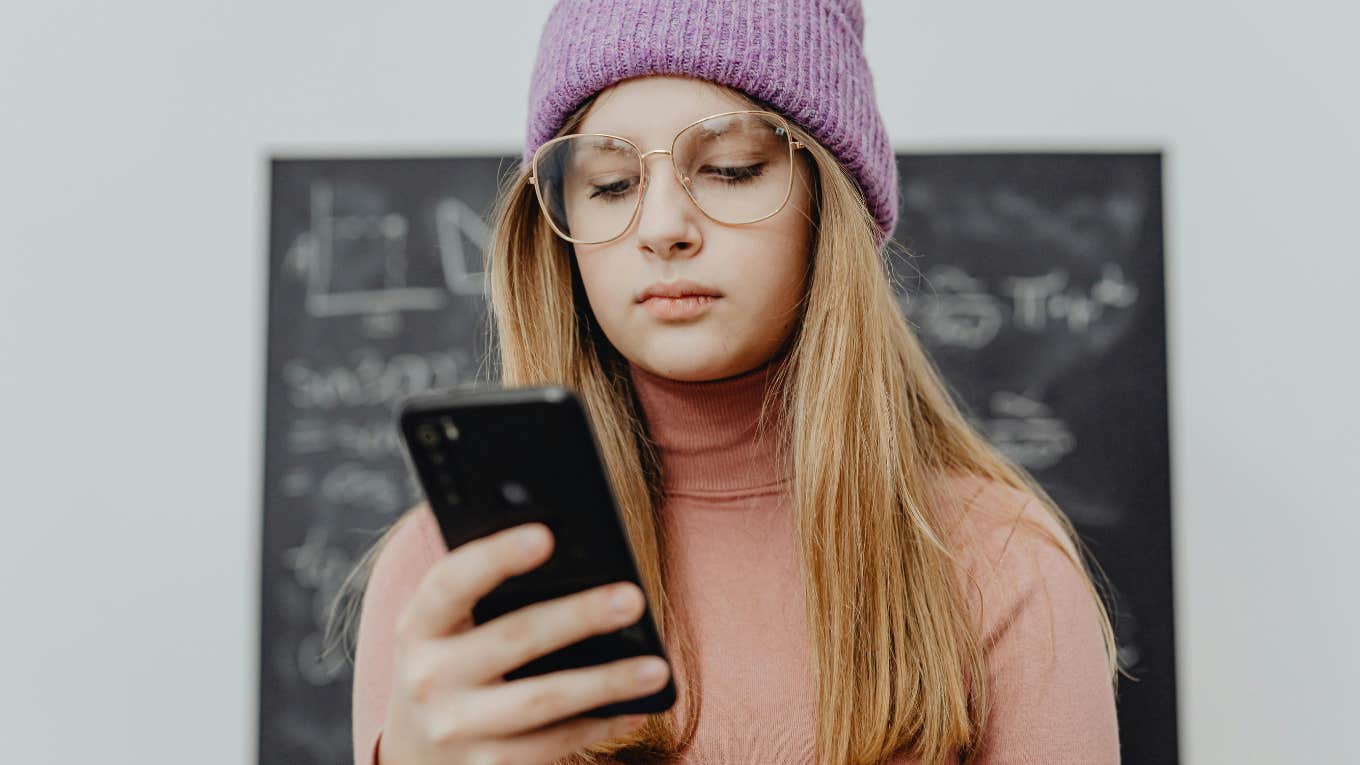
pixel 1012 553
pixel 407 550
pixel 1040 626
pixel 989 522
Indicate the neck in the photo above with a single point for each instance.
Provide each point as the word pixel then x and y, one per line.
pixel 705 432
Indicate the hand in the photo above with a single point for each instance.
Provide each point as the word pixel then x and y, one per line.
pixel 450 704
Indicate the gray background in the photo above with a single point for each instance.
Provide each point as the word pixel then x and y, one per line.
pixel 133 180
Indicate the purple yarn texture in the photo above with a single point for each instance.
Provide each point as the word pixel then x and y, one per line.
pixel 804 57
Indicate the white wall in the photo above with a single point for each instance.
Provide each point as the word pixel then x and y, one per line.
pixel 133 139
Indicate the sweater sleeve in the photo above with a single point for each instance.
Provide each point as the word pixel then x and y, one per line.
pixel 412 549
pixel 1052 700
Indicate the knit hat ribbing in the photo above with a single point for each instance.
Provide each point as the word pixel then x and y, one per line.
pixel 803 57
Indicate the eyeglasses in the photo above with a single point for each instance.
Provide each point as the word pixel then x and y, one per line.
pixel 736 166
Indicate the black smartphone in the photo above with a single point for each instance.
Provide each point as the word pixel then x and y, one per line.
pixel 489 458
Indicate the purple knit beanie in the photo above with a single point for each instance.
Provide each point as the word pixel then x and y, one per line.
pixel 803 57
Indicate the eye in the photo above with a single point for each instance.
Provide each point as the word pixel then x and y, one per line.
pixel 738 174
pixel 611 190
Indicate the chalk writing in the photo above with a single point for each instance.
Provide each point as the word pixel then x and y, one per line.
pixel 1027 431
pixel 961 310
pixel 370 378
pixel 321 568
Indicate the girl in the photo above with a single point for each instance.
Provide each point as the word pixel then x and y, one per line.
pixel 842 569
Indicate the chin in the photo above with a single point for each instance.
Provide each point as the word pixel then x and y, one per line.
pixel 692 367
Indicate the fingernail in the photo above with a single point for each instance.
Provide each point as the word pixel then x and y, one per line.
pixel 533 538
pixel 622 600
pixel 652 669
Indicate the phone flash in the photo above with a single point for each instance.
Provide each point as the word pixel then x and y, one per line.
pixel 450 430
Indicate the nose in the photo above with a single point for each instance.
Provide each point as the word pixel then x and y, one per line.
pixel 667 223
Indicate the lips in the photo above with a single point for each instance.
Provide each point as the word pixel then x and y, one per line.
pixel 677 289
pixel 677 309
pixel 675 301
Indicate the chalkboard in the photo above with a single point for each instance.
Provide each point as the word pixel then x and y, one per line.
pixel 1036 284
pixel 1035 281
pixel 375 292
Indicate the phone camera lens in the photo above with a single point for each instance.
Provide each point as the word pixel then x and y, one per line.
pixel 428 434
pixel 515 493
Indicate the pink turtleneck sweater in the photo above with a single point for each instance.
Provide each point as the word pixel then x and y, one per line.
pixel 735 554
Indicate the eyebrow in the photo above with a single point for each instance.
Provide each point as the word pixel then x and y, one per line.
pixel 620 133
pixel 612 147
pixel 728 127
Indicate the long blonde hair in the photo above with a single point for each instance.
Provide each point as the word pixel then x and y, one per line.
pixel 868 430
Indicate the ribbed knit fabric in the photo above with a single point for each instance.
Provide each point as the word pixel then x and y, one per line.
pixel 697 425
pixel 734 553
pixel 804 57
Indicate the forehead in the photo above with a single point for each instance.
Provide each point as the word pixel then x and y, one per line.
pixel 650 110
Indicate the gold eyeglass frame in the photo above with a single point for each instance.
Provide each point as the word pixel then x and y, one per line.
pixel 793 144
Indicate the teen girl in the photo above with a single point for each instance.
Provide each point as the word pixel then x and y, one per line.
pixel 843 570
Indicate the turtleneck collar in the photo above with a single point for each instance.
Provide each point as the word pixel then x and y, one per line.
pixel 705 432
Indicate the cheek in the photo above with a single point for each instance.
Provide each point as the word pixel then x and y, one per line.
pixel 776 268
pixel 607 288
pixel 774 291
pixel 594 279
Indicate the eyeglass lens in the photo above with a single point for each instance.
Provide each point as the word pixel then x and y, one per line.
pixel 737 168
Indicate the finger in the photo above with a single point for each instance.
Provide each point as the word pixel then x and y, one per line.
pixel 514 639
pixel 445 596
pixel 555 742
pixel 526 704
